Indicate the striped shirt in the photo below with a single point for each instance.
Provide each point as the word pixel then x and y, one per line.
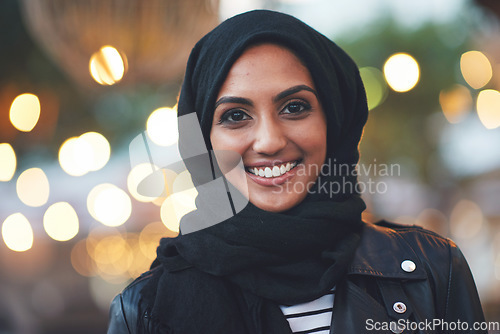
pixel 311 317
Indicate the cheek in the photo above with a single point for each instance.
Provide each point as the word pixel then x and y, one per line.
pixel 227 140
pixel 314 143
pixel 315 149
pixel 217 139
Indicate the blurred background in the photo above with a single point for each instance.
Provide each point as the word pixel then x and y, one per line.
pixel 83 83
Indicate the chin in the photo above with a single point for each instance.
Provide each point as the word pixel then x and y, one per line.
pixel 276 203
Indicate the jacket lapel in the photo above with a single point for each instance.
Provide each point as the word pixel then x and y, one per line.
pixel 379 256
pixel 354 310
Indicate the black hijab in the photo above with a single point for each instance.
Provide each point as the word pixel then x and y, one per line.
pixel 231 277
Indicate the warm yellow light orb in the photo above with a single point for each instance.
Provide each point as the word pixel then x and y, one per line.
pixel 80 259
pixel 17 233
pixel 455 102
pixel 107 66
pixel 8 162
pixel 176 206
pixel 109 204
pixel 488 108
pixel 114 256
pixel 25 112
pixel 86 153
pixel 161 126
pixel 401 72
pixel 137 175
pixel 150 236
pixel 33 187
pixel 76 156
pixel 101 150
pixel 60 221
pixel 476 69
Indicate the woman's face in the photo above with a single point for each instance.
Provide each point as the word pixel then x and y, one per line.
pixel 268 112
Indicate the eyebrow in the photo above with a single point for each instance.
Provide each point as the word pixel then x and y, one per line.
pixel 293 90
pixel 280 96
pixel 233 99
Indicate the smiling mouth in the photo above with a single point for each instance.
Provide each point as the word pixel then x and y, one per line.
pixel 273 171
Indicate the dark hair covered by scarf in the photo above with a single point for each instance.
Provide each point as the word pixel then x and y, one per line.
pixel 231 277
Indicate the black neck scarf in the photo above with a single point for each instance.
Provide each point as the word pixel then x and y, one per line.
pixel 231 277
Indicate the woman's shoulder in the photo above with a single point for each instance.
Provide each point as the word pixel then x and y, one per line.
pixel 405 251
pixel 126 307
pixel 397 235
pixel 417 265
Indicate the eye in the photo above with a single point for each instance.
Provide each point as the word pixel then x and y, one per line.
pixel 296 107
pixel 234 116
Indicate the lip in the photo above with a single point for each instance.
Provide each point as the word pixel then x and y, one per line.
pixel 274 181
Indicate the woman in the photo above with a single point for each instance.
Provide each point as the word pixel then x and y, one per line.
pixel 297 258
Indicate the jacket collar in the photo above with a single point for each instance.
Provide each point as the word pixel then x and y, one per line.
pixel 381 252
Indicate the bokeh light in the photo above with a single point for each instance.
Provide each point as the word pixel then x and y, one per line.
pixel 83 154
pixel 466 220
pixel 176 206
pixel 456 103
pixel 140 263
pixel 168 213
pixel 137 175
pixel 161 126
pixel 107 66
pixel 75 156
pixel 101 150
pixel 109 204
pixel 60 221
pixel 375 86
pixel 155 187
pixel 117 257
pixel 25 112
pixel 17 233
pixel 81 260
pixel 150 236
pixel 488 108
pixel 9 162
pixel 476 69
pixel 181 202
pixel 33 187
pixel 113 257
pixel 401 72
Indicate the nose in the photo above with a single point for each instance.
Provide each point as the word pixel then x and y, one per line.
pixel 269 136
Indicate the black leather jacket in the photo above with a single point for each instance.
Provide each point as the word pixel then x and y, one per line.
pixel 432 292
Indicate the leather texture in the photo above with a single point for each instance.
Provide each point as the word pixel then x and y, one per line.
pixel 440 287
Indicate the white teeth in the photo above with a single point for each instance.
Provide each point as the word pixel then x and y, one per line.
pixel 274 171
